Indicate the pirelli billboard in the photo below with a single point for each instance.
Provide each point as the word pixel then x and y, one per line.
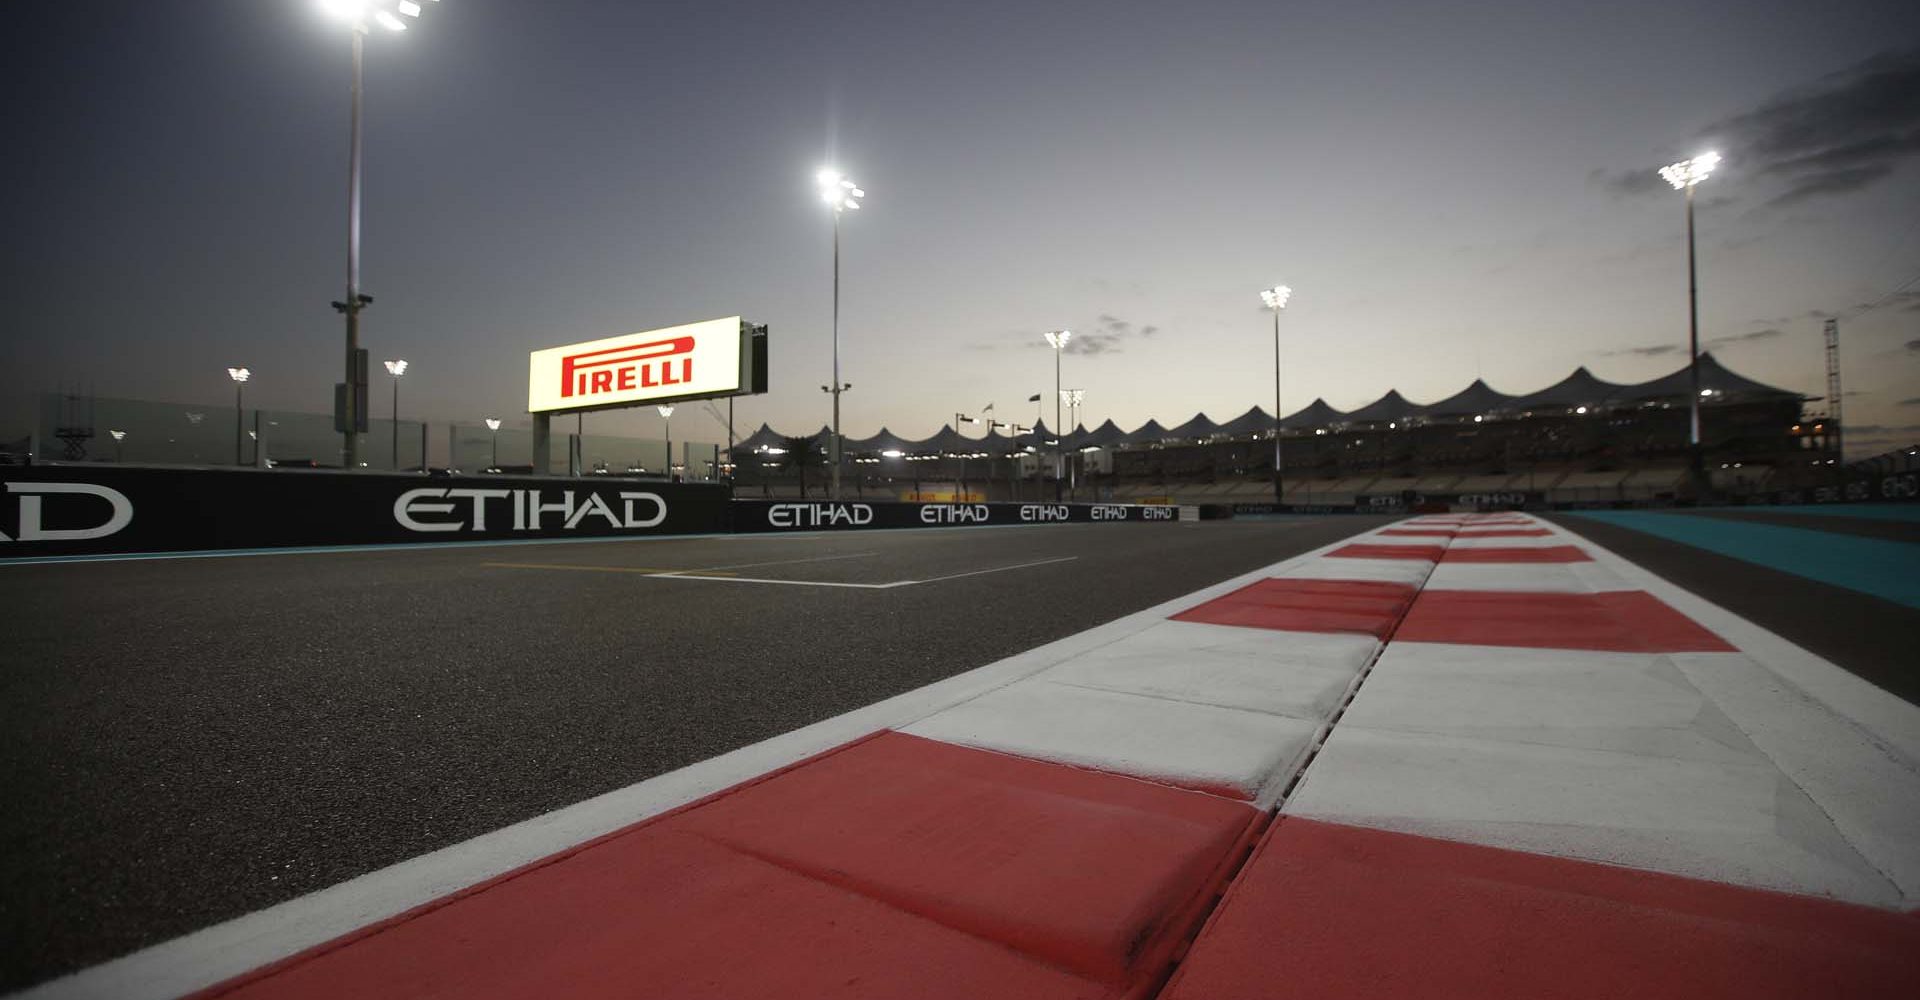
pixel 718 357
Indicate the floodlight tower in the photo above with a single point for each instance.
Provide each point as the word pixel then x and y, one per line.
pixel 359 15
pixel 1057 339
pixel 666 414
pixel 844 195
pixel 239 377
pixel 1276 300
pixel 396 369
pixel 1684 176
pixel 1073 398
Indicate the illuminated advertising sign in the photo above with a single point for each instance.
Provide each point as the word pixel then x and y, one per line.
pixel 695 361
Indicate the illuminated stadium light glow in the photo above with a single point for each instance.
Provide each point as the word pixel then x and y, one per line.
pixel 1687 173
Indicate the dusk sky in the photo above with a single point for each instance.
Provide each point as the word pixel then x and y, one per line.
pixel 1452 190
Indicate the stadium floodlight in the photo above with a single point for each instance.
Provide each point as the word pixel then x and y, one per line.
pixel 118 437
pixel 396 369
pixel 666 415
pixel 359 15
pixel 1685 176
pixel 892 453
pixel 493 429
pixel 837 190
pixel 1687 173
pixel 1275 299
pixel 843 194
pixel 1058 340
pixel 239 377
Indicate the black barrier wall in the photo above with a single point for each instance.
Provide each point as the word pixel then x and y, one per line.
pixel 80 510
pixel 822 515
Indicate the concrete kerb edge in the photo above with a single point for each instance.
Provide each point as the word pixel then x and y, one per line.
pixel 214 954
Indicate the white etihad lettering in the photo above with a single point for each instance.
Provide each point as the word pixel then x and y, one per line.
pixel 31 522
pixel 527 506
pixel 819 515
pixel 596 507
pixel 976 513
pixel 1045 512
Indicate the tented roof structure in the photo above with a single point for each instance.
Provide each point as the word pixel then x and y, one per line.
pixel 1254 421
pixel 1106 435
pixel 949 442
pixel 886 440
pixel 1148 433
pixel 1314 414
pixel 1476 398
pixel 1199 426
pixel 1580 388
pixel 1389 407
pixel 1713 376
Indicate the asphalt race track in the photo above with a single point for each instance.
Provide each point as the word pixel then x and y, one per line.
pixel 188 740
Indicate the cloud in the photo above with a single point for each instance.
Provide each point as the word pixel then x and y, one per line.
pixel 1831 182
pixel 1108 335
pixel 1741 338
pixel 1912 345
pixel 1842 133
pixel 1661 350
pixel 1626 183
pixel 1910 401
pixel 1650 351
pixel 1094 343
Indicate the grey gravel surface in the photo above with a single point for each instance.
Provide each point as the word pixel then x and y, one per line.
pixel 185 741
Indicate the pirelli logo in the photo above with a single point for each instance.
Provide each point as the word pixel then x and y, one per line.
pixel 657 363
pixel 681 362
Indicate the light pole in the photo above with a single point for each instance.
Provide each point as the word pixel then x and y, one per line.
pixel 396 369
pixel 1013 457
pixel 842 194
pixel 1276 300
pixel 1683 176
pixel 1073 399
pixel 1057 339
pixel 958 419
pixel 239 377
pixel 493 428
pixel 358 14
pixel 666 414
pixel 118 438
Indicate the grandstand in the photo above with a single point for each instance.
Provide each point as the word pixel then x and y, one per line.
pixel 1579 440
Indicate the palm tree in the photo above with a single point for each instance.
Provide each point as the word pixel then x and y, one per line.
pixel 800 453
